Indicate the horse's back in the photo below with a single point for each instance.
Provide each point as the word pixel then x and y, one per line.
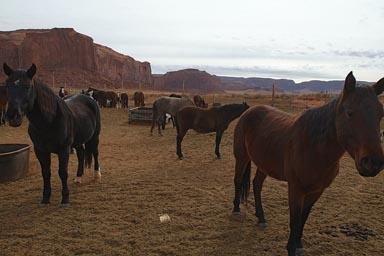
pixel 171 105
pixel 86 117
pixel 262 134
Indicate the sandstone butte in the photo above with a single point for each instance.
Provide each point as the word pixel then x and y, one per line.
pixel 67 58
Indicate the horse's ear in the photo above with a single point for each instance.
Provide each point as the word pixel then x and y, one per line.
pixel 31 71
pixel 349 83
pixel 379 86
pixel 7 70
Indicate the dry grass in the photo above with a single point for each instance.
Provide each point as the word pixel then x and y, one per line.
pixel 142 179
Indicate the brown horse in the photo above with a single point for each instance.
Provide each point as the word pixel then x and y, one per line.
pixel 3 104
pixel 305 149
pixel 199 101
pixel 62 92
pixel 205 121
pixel 138 97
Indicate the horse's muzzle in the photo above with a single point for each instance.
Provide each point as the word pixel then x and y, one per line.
pixel 15 119
pixel 370 166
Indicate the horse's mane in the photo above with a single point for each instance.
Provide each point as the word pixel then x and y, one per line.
pixel 46 100
pixel 319 122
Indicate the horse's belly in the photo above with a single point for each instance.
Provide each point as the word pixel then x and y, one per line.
pixel 268 156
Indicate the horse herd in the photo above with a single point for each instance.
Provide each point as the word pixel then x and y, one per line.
pixel 302 149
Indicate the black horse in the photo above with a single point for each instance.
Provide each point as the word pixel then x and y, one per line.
pixel 55 125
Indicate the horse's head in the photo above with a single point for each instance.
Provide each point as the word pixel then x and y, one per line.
pixel 358 125
pixel 21 97
pixel 245 106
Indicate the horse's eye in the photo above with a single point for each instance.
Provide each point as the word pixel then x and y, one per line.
pixel 349 113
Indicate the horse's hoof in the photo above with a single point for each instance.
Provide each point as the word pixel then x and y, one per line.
pixel 78 180
pixel 299 251
pixel 44 205
pixel 262 225
pixel 181 158
pixel 64 206
pixel 97 176
pixel 219 157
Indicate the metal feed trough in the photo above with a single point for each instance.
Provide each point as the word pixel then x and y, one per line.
pixel 140 115
pixel 14 161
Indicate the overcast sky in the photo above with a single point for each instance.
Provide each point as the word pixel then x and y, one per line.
pixel 294 39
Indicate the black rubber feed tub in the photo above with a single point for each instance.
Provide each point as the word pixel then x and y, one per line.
pixel 14 161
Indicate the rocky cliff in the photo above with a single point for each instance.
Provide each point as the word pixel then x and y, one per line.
pixel 66 57
pixel 188 80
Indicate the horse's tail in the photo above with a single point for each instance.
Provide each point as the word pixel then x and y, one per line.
pixel 245 183
pixel 88 155
pixel 92 145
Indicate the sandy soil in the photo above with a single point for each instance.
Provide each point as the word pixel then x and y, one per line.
pixel 142 179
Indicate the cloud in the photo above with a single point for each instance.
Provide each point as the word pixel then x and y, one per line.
pixel 371 54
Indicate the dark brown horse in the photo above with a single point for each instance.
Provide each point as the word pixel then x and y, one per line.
pixel 123 98
pixel 199 101
pixel 62 92
pixel 3 104
pixel 98 95
pixel 205 121
pixel 174 95
pixel 112 99
pixel 305 149
pixel 138 97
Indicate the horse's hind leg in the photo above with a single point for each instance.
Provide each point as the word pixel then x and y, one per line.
pixel 80 163
pixel 257 187
pixel 92 149
pixel 242 172
pixel 95 154
pixel 154 119
pixel 160 121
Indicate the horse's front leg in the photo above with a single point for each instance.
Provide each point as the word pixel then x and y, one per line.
pixel 179 139
pixel 45 163
pixel 296 224
pixel 63 173
pixel 309 201
pixel 219 134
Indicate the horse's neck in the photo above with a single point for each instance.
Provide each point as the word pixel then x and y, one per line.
pixel 229 116
pixel 318 126
pixel 38 116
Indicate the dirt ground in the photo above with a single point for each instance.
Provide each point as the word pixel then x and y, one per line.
pixel 142 179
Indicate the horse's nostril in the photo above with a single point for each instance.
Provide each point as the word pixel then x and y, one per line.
pixel 364 162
